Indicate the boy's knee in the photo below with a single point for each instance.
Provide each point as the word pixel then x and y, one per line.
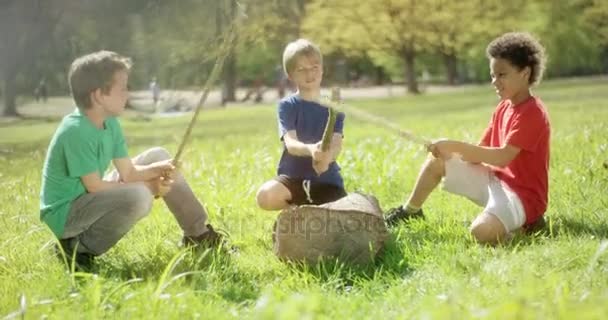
pixel 486 233
pixel 158 154
pixel 436 165
pixel 267 199
pixel 138 201
pixel 264 198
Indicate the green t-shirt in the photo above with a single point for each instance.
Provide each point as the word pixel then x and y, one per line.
pixel 78 148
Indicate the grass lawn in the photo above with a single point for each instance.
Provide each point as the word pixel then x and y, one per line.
pixel 431 269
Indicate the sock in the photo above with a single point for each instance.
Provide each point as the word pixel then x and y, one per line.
pixel 411 209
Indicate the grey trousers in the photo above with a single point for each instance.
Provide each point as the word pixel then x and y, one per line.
pixel 97 221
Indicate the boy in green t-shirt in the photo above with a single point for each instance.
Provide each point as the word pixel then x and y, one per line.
pixel 88 212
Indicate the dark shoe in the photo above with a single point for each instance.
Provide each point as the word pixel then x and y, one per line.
pixel 82 261
pixel 539 225
pixel 209 239
pixel 399 214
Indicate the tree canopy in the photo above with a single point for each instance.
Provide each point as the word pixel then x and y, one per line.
pixel 398 40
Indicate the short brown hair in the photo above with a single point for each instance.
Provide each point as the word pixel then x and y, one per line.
pixel 521 50
pixel 298 48
pixel 94 71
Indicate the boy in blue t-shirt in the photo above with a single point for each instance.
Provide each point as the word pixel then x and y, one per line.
pixel 306 174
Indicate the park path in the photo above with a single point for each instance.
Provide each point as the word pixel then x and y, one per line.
pixel 178 101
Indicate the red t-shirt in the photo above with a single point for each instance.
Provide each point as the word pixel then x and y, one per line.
pixel 527 127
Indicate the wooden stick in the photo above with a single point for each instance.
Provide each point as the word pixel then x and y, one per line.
pixel 224 51
pixel 331 120
pixel 382 122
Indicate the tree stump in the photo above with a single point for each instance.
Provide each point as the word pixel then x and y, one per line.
pixel 351 229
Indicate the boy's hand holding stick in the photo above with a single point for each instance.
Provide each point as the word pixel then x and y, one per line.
pixel 318 165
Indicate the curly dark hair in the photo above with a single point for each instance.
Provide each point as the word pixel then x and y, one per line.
pixel 522 50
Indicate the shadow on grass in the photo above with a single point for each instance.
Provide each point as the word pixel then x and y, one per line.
pixel 216 273
pixel 340 275
pixel 576 227
pixel 200 270
pixel 557 227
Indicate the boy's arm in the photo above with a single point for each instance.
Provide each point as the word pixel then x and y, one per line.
pixel 524 133
pixel 93 183
pixel 295 147
pixel 326 158
pixel 322 160
pixel 134 173
pixel 336 146
pixel 495 156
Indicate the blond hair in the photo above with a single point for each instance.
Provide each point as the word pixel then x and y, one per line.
pixel 94 71
pixel 296 49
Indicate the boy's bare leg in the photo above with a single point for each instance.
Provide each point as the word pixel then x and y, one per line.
pixel 273 195
pixel 433 170
pixel 430 175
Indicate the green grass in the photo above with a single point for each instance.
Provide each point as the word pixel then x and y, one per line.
pixel 432 268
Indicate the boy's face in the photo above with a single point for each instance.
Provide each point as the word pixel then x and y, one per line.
pixel 307 72
pixel 113 102
pixel 508 80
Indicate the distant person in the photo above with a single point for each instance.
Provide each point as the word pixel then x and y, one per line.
pixel 507 172
pixel 306 174
pixel 256 90
pixel 90 212
pixel 41 92
pixel 155 91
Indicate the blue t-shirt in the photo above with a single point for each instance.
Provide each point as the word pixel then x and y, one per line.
pixel 308 119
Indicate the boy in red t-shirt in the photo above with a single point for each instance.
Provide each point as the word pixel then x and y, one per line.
pixel 507 172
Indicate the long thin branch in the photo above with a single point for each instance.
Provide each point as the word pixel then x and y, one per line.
pixel 331 120
pixel 382 122
pixel 225 49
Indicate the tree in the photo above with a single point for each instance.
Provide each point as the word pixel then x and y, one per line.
pixel 226 12
pixel 570 39
pixel 398 27
pixel 459 25
pixel 48 35
pixel 27 27
pixel 269 26
pixel 179 41
pixel 276 20
pixel 596 16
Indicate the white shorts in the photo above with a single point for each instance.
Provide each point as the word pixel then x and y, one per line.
pixel 478 183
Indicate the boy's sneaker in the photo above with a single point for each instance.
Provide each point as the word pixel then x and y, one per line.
pixel 399 214
pixel 82 261
pixel 208 239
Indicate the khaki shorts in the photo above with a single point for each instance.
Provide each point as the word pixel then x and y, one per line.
pixel 478 183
